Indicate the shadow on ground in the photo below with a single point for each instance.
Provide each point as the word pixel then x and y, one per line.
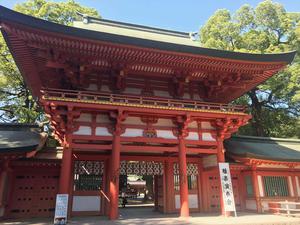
pixel 146 216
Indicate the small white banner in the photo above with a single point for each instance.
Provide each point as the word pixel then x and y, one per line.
pixel 61 209
pixel 228 197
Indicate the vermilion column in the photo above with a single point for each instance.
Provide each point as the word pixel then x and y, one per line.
pixel 184 193
pixel 220 159
pixel 114 177
pixel 256 190
pixel 3 178
pixel 65 172
pixel 169 186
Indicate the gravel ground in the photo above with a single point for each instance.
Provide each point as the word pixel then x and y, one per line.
pixel 145 216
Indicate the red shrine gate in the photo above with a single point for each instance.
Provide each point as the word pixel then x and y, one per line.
pixel 135 97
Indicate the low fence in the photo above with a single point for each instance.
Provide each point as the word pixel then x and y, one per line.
pixel 285 208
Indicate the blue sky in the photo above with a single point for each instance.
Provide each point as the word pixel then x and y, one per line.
pixel 181 15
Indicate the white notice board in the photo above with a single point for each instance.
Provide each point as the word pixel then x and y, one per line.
pixel 61 209
pixel 227 190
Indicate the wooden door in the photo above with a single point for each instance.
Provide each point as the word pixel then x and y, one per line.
pixel 33 194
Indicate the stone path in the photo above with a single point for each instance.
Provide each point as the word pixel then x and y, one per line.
pixel 145 216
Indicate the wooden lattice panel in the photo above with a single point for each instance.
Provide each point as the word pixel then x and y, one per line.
pixel 192 169
pixel 89 167
pixel 141 168
pixel 33 194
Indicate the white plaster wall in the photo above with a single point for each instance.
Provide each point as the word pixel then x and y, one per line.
pixel 209 161
pixel 206 125
pixel 192 136
pixel 165 122
pixel 134 91
pixel 86 203
pixel 251 204
pixel 102 118
pixel 102 131
pixel 177 201
pixel 133 120
pixel 291 187
pixel 83 130
pixel 85 117
pixel 193 124
pixel 193 201
pixel 165 134
pixel 260 186
pixel 131 132
pixel 207 137
pixel 104 88
pixel 197 97
pixel 186 96
pixel 160 93
pixel 92 87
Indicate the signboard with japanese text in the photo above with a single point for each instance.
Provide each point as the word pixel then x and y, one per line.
pixel 227 190
pixel 61 209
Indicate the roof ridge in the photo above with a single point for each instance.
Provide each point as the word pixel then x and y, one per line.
pixel 271 139
pixel 87 19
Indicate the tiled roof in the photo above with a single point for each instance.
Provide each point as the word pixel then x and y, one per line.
pixel 276 149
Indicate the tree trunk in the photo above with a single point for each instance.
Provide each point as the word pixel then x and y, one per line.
pixel 257 117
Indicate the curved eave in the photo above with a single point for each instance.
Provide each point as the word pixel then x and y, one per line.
pixel 7 15
pixel 19 150
pixel 262 157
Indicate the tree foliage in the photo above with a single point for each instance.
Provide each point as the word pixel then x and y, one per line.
pixel 268 28
pixel 16 102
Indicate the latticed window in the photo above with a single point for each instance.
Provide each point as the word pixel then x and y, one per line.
pixel 275 186
pixel 249 186
pixel 176 182
pixel 191 179
pixel 87 182
pixel 192 182
pixel 192 173
pixel 88 175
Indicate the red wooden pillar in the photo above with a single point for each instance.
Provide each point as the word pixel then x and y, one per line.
pixel 3 181
pixel 256 190
pixel 108 175
pixel 114 176
pixel 156 207
pixel 169 187
pixel 296 194
pixel 221 159
pixel 65 172
pixel 200 188
pixel 242 190
pixel 184 193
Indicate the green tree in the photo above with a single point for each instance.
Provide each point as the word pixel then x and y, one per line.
pixel 16 102
pixel 268 28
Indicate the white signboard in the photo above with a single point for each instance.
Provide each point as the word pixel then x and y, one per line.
pixel 228 197
pixel 61 209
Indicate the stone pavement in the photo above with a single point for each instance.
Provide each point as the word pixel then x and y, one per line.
pixel 145 216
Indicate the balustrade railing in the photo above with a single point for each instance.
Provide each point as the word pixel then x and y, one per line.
pixel 285 207
pixel 140 100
